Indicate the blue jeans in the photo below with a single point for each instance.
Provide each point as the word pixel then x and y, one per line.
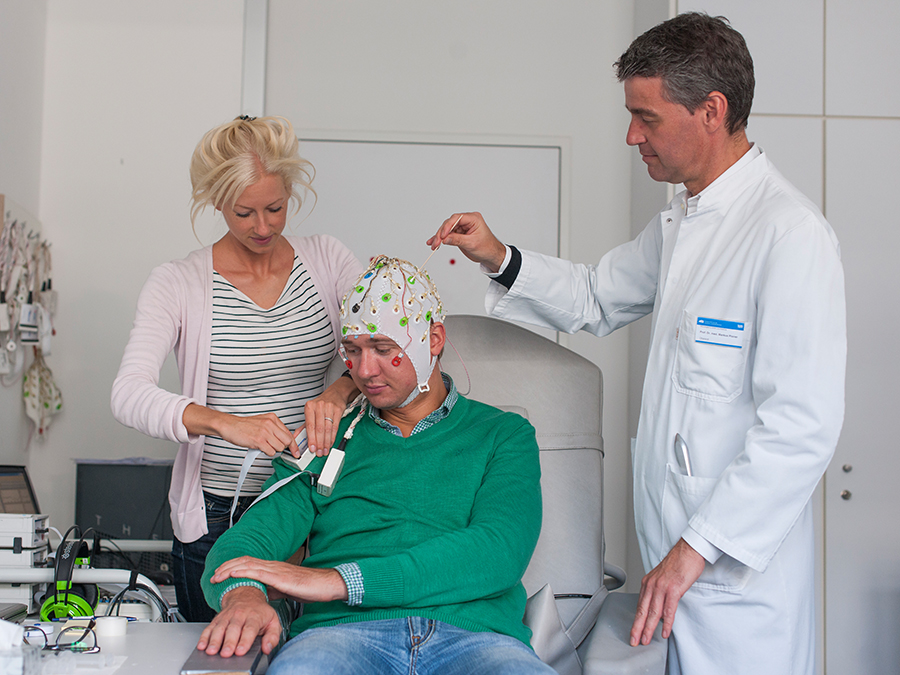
pixel 412 646
pixel 189 559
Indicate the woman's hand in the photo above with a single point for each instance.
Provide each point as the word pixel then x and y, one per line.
pixel 306 584
pixel 323 414
pixel 258 432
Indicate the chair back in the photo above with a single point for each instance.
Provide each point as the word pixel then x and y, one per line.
pixel 561 394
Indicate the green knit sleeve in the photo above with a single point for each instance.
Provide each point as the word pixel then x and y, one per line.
pixel 273 529
pixel 484 559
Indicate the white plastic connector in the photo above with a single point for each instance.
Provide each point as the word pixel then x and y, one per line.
pixel 301 439
pixel 330 472
pixel 306 457
pixel 300 462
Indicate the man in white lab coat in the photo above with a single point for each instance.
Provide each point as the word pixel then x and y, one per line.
pixel 747 356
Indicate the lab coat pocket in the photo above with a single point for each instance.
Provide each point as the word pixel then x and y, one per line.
pixel 714 372
pixel 683 496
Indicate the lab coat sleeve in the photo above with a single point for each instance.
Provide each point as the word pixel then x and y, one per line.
pixel 137 399
pixel 567 296
pixel 797 383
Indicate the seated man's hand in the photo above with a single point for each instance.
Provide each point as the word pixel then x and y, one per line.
pixel 245 614
pixel 306 584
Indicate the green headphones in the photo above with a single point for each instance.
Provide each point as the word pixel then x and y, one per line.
pixel 68 599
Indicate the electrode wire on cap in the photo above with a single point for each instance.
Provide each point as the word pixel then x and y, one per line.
pixel 465 370
pixel 395 299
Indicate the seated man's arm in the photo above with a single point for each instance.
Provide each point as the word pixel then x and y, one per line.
pixel 306 584
pixel 272 530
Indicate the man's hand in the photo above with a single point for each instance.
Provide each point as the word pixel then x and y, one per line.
pixel 323 414
pixel 306 584
pixel 473 237
pixel 245 614
pixel 661 590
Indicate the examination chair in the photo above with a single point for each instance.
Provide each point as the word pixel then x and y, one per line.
pixel 560 393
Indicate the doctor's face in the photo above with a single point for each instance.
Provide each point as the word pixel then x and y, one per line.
pixel 671 139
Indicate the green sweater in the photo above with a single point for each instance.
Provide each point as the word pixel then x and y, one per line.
pixel 442 524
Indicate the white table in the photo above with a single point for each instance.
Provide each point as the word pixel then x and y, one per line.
pixel 155 648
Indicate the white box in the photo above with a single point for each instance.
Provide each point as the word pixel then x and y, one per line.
pixel 23 593
pixel 30 529
pixel 28 557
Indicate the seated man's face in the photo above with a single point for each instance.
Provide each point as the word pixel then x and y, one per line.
pixel 380 369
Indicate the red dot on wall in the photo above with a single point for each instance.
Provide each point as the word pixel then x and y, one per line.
pixel 452 261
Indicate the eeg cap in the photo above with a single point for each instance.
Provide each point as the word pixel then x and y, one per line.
pixel 396 299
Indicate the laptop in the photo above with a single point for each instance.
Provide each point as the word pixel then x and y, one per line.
pixel 16 491
pixel 14 612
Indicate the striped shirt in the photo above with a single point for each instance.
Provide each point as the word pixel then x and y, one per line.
pixel 261 361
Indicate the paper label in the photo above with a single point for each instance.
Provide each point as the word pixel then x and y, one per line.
pixel 28 317
pixel 719 332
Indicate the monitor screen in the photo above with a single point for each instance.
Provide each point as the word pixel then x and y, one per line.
pixel 16 492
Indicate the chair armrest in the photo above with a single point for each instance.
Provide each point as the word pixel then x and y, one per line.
pixel 606 650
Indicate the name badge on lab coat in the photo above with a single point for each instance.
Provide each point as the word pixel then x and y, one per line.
pixel 719 332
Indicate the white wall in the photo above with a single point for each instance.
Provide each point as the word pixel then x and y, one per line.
pixel 129 90
pixel 96 133
pixel 499 68
pixel 862 139
pixel 130 87
pixel 22 33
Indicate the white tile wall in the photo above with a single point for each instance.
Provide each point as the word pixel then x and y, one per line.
pixel 795 145
pixel 863 549
pixel 862 56
pixel 786 41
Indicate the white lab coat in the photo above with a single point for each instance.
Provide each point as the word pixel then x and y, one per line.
pixel 761 417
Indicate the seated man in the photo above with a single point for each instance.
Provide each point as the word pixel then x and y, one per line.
pixel 416 555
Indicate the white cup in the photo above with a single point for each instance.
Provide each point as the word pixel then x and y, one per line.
pixel 111 626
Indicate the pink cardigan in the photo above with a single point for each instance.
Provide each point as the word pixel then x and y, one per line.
pixel 174 311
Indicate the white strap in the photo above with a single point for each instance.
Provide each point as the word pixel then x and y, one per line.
pixel 276 486
pixel 253 454
pixel 245 469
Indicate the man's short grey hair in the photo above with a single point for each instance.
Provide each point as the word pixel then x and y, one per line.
pixel 695 54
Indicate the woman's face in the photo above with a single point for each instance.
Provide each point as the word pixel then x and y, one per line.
pixel 257 217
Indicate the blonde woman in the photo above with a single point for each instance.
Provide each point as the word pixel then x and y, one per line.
pixel 253 321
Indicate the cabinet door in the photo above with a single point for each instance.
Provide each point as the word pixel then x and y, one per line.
pixel 862 499
pixel 389 197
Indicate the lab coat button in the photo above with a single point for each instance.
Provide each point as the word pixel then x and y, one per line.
pixel 846 494
pixel 847 468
